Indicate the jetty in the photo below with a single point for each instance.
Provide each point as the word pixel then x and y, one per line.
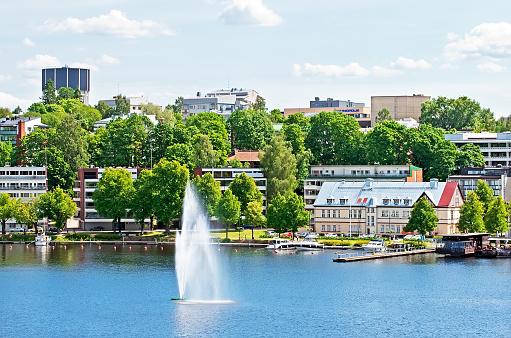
pixel 357 258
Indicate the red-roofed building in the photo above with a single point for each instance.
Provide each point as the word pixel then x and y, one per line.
pixel 250 156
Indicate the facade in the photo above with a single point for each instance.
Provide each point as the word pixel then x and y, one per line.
pixel 244 97
pixel 69 77
pixel 250 156
pixel 330 102
pixel 136 103
pixel 372 207
pixel 496 147
pixel 400 107
pixel 24 183
pixel 13 129
pixel 86 214
pixel 224 105
pixel 102 123
pixel 319 174
pixel 497 178
pixel 361 114
pixel 226 175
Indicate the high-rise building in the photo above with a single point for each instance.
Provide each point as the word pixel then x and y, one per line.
pixel 69 77
pixel 399 107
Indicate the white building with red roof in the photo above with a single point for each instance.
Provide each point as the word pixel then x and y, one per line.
pixel 381 207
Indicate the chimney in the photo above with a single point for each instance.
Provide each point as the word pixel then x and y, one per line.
pixel 433 183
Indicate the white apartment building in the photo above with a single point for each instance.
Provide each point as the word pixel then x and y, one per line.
pixel 495 147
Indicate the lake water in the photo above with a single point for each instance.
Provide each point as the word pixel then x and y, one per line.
pixel 91 292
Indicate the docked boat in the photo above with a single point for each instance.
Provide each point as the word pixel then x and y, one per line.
pixel 42 239
pixel 375 245
pixel 281 244
pixel 309 244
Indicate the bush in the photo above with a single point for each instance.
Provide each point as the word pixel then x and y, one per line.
pixel 78 237
pixel 225 240
pixel 108 237
pixel 18 238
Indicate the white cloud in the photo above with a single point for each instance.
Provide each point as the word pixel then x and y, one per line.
pixel 108 60
pixel 11 102
pixel 28 42
pixel 249 12
pixel 490 67
pixel 385 72
pixel 40 61
pixel 84 65
pixel 406 63
pixel 351 70
pixel 452 36
pixel 114 23
pixel 448 66
pixel 5 78
pixel 487 39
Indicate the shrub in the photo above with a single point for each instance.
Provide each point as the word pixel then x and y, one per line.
pixel 108 237
pixel 225 240
pixel 78 236
pixel 18 238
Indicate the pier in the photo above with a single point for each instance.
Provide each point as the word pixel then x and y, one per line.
pixel 382 255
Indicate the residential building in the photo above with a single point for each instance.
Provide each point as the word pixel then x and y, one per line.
pixel 24 183
pixel 136 104
pixel 399 107
pixel 13 129
pixel 361 114
pixel 378 207
pixel 319 174
pixel 244 97
pixel 84 187
pixel 224 105
pixel 250 156
pixel 330 102
pixel 69 77
pixel 497 178
pixel 495 147
pixel 226 175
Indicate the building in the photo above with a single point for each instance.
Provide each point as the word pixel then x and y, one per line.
pixel 319 174
pixel 222 101
pixel 400 107
pixel 102 123
pixel 244 97
pixel 497 178
pixel 250 156
pixel 330 102
pixel 495 147
pixel 69 77
pixel 136 104
pixel 226 175
pixel 361 114
pixel 24 183
pixel 83 189
pixel 13 129
pixel 376 207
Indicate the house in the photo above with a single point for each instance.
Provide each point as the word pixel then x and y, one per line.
pixel 13 129
pixel 381 207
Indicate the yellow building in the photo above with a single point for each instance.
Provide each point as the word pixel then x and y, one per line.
pixel 400 107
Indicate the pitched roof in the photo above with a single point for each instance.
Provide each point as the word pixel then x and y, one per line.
pixel 445 199
pixel 245 156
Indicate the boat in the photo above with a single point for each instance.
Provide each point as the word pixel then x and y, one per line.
pixel 281 244
pixel 42 239
pixel 309 244
pixel 375 245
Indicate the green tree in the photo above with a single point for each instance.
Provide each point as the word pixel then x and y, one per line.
pixel 71 139
pixel 177 107
pixel 293 135
pixel 4 112
pixel 65 93
pixel 181 153
pixel 250 129
pixel 279 167
pixel 151 109
pixel 276 214
pixel 54 115
pixel 386 143
pixel 49 96
pixel 485 194
pixel 203 153
pixel 214 126
pixel 114 195
pixel 422 217
pixel 209 191
pixel 254 215
pixel 297 216
pixel 143 202
pixel 37 108
pixel 122 106
pixel 57 206
pixel 171 178
pixel 228 210
pixel 259 104
pixel 7 210
pixel 448 113
pixel 276 116
pixel 383 115
pixel 469 155
pixel 28 213
pixel 471 214
pixel 5 153
pixel 104 109
pixel 300 120
pixel 496 219
pixel 245 189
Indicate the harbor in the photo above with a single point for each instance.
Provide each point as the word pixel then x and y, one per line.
pixel 345 258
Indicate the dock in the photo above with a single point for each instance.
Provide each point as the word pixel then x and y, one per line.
pixel 382 255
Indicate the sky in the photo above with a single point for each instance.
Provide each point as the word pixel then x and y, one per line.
pixel 289 51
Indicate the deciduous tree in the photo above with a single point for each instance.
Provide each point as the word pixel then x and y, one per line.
pixel 485 194
pixel 57 206
pixel 496 218
pixel 254 215
pixel 422 217
pixel 245 189
pixel 383 115
pixel 143 204
pixel 7 210
pixel 471 214
pixel 209 191
pixel 228 210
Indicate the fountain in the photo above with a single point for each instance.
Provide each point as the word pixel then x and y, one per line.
pixel 197 261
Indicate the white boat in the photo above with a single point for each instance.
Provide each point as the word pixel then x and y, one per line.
pixel 309 244
pixel 281 244
pixel 42 239
pixel 375 245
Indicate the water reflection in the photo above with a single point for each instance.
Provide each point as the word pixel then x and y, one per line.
pixel 200 320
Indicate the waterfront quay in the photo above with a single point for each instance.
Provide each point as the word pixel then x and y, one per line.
pixel 341 258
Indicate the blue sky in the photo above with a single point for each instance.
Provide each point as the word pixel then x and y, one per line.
pixel 288 51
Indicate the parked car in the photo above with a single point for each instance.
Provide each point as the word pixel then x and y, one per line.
pixel 408 237
pixel 304 234
pixel 53 229
pixel 419 237
pixel 17 229
pixel 331 235
pixel 270 233
pixel 97 228
pixel 313 235
pixel 287 234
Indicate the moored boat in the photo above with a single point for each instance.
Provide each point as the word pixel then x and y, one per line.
pixel 375 245
pixel 281 244
pixel 309 244
pixel 42 239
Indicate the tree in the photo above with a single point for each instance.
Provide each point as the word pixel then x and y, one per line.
pixel 114 195
pixel 49 96
pixel 297 216
pixel 143 202
pixel 245 189
pixel 276 214
pixel 276 116
pixel 496 219
pixel 471 214
pixel 5 153
pixel 122 106
pixel 279 167
pixel 383 115
pixel 293 135
pixel 57 206
pixel 54 115
pixel 254 215
pixel 7 210
pixel 448 113
pixel 228 210
pixel 71 139
pixel 37 108
pixel 177 107
pixel 4 112
pixel 250 129
pixel 214 126
pixel 469 155
pixel 171 179
pixel 259 104
pixel 151 109
pixel 422 217
pixel 104 109
pixel 28 213
pixel 300 120
pixel 485 194
pixel 65 93
pixel 181 153
pixel 209 191
pixel 386 143
pixel 203 154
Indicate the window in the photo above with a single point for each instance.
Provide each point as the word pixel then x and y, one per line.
pixel 395 213
pixel 396 201
pixel 328 213
pixel 406 213
pixel 386 201
pixel 329 200
pixel 398 228
pixel 384 213
pixel 407 201
pixel 343 201
pixel 382 228
pixel 334 227
pixel 323 213
pixel 323 228
pixel 328 228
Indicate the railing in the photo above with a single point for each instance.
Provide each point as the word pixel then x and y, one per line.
pixel 24 188
pixel 311 176
pixel 22 177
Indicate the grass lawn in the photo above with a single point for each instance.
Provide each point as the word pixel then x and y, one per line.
pixel 236 235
